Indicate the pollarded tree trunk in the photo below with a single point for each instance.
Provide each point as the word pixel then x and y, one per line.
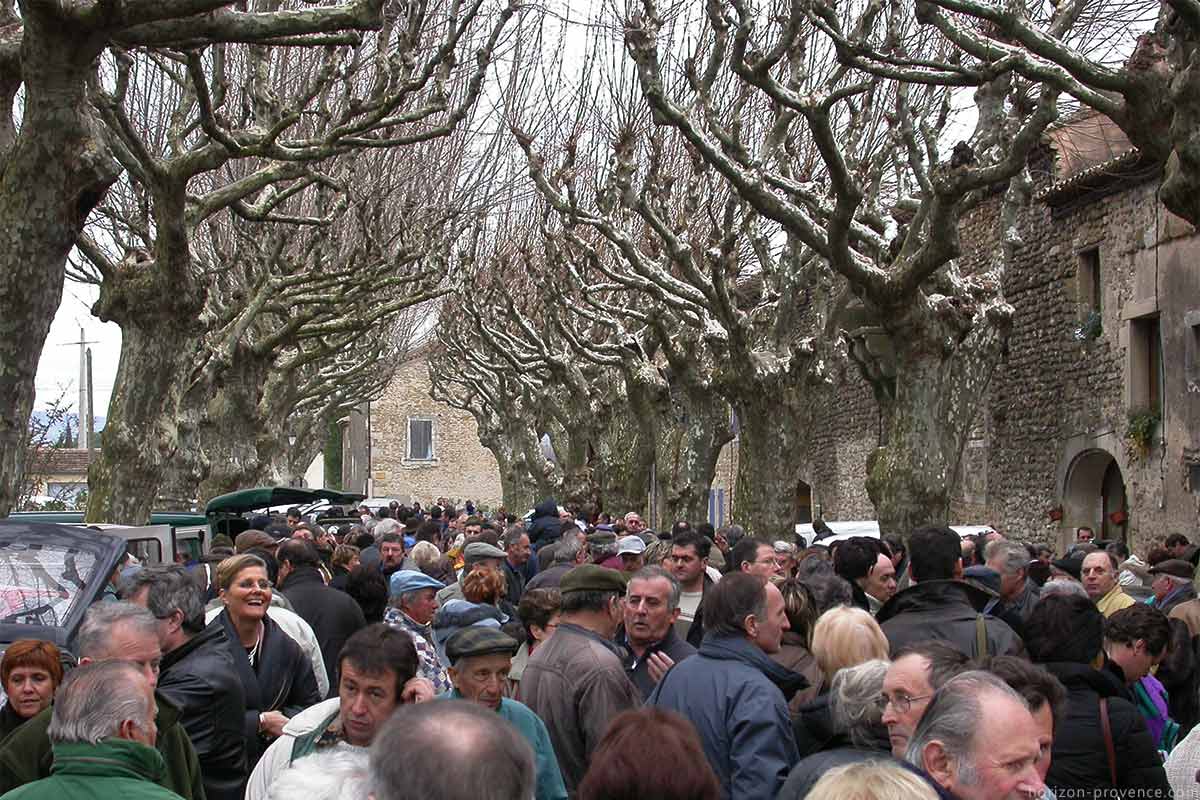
pixel 687 424
pixel 686 457
pixel 157 302
pixel 623 461
pixel 773 442
pixel 52 174
pixel 938 392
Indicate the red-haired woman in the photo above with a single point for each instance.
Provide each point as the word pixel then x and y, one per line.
pixel 30 673
pixel 678 770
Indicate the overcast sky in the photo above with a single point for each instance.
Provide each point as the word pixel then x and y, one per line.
pixel 58 370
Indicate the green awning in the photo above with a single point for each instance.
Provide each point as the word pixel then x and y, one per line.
pixel 267 496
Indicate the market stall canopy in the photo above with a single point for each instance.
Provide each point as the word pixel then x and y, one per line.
pixel 270 496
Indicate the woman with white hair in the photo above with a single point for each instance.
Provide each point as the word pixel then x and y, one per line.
pixel 859 732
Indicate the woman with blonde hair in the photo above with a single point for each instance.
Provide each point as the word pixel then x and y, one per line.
pixel 872 780
pixel 844 636
pixel 276 675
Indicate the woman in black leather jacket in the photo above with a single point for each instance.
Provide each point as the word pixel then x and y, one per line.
pixel 274 671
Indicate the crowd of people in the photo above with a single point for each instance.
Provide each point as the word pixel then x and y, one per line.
pixel 444 655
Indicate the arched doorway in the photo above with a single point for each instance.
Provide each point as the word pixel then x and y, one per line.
pixel 803 502
pixel 1093 493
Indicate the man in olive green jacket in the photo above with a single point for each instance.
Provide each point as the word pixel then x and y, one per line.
pixel 103 733
pixel 110 632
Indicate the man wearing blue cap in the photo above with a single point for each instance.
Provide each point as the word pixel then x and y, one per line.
pixel 412 597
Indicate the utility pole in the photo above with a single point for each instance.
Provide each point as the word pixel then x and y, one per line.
pixel 85 425
pixel 89 430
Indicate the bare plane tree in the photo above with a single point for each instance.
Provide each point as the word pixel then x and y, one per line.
pixel 244 130
pixel 881 204
pixel 1150 89
pixel 56 164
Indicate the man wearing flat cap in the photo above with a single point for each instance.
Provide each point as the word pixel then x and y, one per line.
pixel 575 680
pixel 480 659
pixel 476 554
pixel 412 602
pixel 1171 584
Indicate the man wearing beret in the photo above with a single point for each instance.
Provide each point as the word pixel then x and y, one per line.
pixel 575 680
pixel 480 659
pixel 476 554
pixel 412 603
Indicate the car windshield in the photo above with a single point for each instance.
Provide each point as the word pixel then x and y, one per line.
pixel 40 583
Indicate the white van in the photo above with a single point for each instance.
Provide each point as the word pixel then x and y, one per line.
pixel 870 528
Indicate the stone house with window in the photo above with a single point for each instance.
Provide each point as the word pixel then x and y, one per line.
pixel 410 447
pixel 1094 416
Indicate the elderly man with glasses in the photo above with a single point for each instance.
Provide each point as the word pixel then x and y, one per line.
pixel 916 673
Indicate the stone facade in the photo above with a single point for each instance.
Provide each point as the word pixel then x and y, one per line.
pixel 1107 300
pixel 455 465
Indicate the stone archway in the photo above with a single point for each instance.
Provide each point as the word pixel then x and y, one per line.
pixel 803 503
pixel 1093 491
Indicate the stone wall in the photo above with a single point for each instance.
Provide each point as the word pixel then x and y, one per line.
pixel 461 469
pixel 1056 420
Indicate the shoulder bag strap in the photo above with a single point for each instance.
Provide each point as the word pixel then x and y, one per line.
pixel 981 644
pixel 1109 750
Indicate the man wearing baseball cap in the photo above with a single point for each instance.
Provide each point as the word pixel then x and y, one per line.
pixel 480 659
pixel 412 602
pixel 630 549
pixel 575 680
pixel 476 554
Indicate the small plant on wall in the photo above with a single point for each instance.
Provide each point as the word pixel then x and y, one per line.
pixel 1143 422
pixel 1090 329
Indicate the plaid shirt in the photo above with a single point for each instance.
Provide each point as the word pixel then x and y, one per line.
pixel 430 665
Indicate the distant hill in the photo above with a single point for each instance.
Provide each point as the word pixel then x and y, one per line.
pixel 73 419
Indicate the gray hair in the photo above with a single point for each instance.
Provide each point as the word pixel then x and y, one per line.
pixel 469 752
pixel 568 549
pixel 425 554
pixel 96 698
pixel 386 525
pixel 953 718
pixel 1062 586
pixel 511 534
pixel 95 634
pixel 653 572
pixel 1177 581
pixel 1009 557
pixel 854 698
pixel 171 589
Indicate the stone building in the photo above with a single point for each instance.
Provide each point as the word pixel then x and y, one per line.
pixel 410 447
pixel 1094 416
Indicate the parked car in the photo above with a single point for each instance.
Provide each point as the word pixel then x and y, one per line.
pixel 157 543
pixel 226 513
pixel 49 575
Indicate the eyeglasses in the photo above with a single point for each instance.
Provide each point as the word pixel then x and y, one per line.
pixel 901 702
pixel 251 584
